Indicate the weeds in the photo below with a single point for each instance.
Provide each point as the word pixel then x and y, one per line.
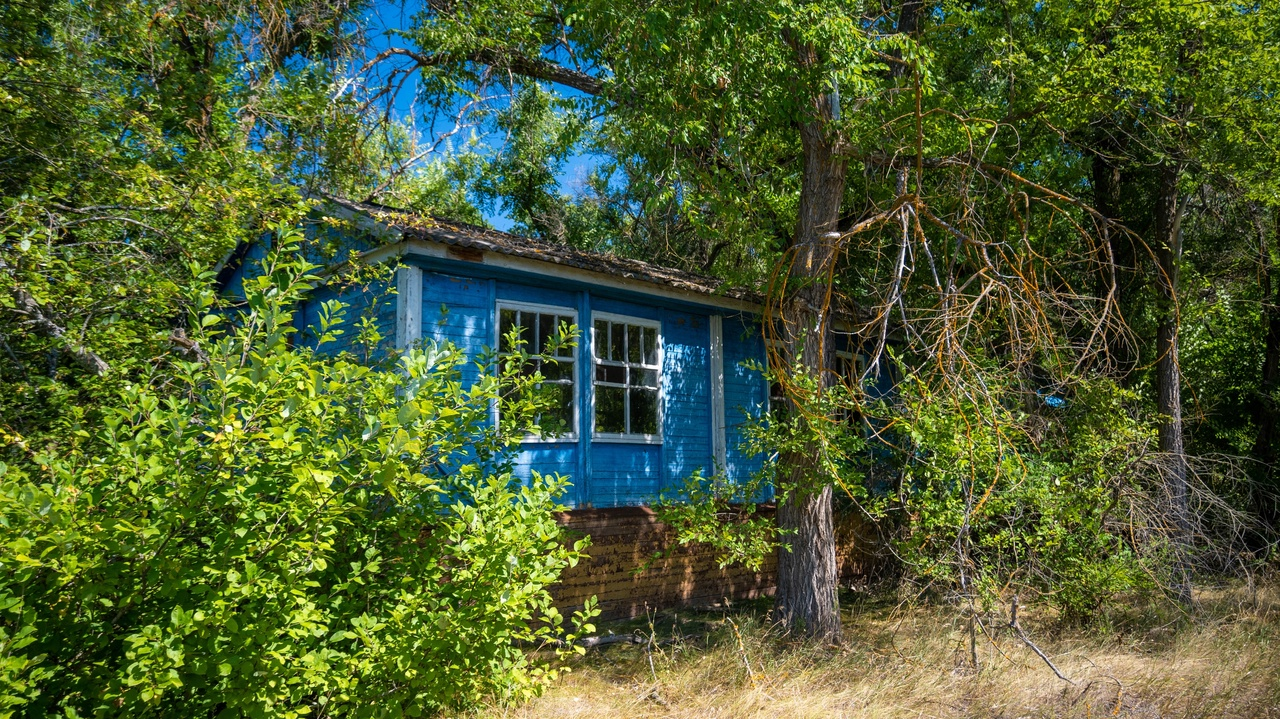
pixel 1142 660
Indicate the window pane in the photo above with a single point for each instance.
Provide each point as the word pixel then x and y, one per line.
pixel 561 415
pixel 610 373
pixel 644 411
pixel 565 322
pixel 650 346
pixel 546 328
pixel 645 377
pixel 617 337
pixel 633 343
pixel 602 339
pixel 610 410
pixel 557 370
pixel 505 323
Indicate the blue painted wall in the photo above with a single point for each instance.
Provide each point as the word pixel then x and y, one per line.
pixel 458 310
pixel 686 371
pixel 373 301
pixel 746 393
pixel 461 309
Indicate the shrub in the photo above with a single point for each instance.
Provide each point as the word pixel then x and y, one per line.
pixel 276 532
pixel 995 498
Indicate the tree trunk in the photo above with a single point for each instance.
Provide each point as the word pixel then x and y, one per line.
pixel 1116 276
pixel 1266 412
pixel 1168 244
pixel 807 599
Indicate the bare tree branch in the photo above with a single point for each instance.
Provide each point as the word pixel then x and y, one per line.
pixel 39 320
pixel 516 63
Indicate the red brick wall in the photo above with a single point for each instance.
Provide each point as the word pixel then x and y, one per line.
pixel 625 538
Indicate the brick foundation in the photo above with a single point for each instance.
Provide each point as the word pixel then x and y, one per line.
pixel 625 538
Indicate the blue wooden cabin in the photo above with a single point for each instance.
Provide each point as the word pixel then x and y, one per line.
pixel 658 386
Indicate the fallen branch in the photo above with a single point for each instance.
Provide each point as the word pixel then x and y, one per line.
pixel 1013 624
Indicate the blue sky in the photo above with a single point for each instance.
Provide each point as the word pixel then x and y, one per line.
pixel 387 16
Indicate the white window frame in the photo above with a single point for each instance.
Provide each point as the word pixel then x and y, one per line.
pixel 499 306
pixel 777 345
pixel 613 436
pixel 855 359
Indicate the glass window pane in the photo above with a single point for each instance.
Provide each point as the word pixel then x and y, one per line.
pixel 557 370
pixel 557 419
pixel 602 339
pixel 650 346
pixel 611 373
pixel 564 409
pixel 645 377
pixel 617 338
pixel 644 411
pixel 506 321
pixel 546 328
pixel 610 410
pixel 633 343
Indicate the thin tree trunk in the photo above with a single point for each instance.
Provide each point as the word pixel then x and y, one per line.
pixel 1266 412
pixel 1116 276
pixel 1168 374
pixel 808 579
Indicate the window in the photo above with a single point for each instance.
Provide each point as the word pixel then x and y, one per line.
pixel 849 369
pixel 627 367
pixel 536 325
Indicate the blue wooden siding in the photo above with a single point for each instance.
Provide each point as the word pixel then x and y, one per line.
pixel 686 374
pixel 548 458
pixel 373 301
pixel 458 306
pixel 459 310
pixel 250 266
pixel 745 392
pixel 624 474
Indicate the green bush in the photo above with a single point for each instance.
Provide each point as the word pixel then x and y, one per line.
pixel 275 532
pixel 995 498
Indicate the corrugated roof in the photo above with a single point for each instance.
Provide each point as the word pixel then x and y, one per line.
pixel 460 234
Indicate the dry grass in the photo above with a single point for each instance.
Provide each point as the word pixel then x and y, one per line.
pixel 914 662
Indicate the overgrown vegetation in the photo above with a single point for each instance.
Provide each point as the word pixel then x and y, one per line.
pixel 270 530
pixel 1055 225
pixel 913 659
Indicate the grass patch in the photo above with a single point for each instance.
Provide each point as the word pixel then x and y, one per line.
pixel 900 660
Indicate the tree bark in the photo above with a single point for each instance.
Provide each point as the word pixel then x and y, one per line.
pixel 1115 267
pixel 808 579
pixel 1266 412
pixel 1168 247
pixel 908 24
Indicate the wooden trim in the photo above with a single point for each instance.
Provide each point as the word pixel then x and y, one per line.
pixel 408 306
pixel 719 445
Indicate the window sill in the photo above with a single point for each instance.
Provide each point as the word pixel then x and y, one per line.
pixel 559 439
pixel 626 439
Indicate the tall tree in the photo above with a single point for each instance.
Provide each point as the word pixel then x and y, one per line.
pixel 917 167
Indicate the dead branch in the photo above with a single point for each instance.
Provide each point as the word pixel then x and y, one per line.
pixel 1013 624
pixel 39 319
